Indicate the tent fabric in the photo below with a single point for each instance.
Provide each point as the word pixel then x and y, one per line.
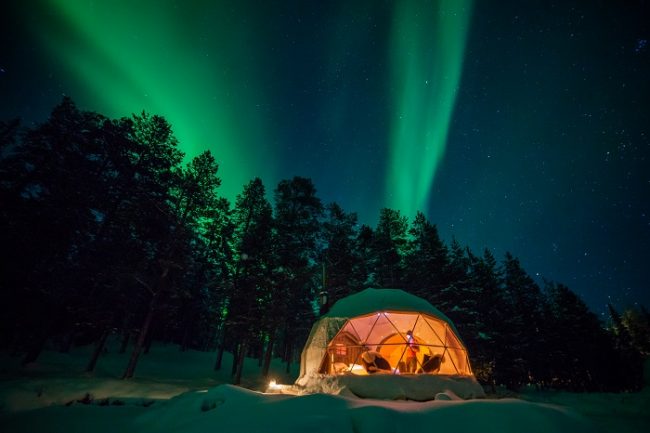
pixel 373 300
pixel 315 349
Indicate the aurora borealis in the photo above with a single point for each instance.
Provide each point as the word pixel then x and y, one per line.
pixel 160 63
pixel 518 126
pixel 427 46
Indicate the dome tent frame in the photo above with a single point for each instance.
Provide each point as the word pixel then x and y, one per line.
pixel 376 321
pixel 385 333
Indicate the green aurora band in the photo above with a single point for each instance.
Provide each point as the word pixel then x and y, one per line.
pixel 208 68
pixel 427 52
pixel 193 65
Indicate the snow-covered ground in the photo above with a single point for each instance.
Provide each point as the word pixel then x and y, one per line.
pixel 179 392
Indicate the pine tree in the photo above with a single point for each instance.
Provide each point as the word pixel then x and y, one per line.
pixel 637 323
pixel 218 236
pixel 629 358
pixel 458 299
pixel 192 197
pixel 426 260
pixel 139 159
pixel 489 306
pixel 207 279
pixel 390 247
pixel 580 355
pixel 520 358
pixel 297 214
pixel 254 262
pixel 366 269
pixel 340 255
pixel 48 189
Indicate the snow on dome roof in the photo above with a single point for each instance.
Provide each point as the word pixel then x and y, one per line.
pixel 372 300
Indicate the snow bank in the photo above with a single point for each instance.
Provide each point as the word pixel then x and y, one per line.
pixel 59 378
pixel 18 395
pixel 231 409
pixel 613 411
pixel 393 387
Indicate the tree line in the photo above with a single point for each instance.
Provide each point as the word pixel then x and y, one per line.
pixel 106 230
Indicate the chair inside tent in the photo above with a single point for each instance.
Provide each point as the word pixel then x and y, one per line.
pixel 392 342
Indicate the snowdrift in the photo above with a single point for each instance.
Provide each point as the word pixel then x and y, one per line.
pixel 392 387
pixel 227 408
pixel 48 398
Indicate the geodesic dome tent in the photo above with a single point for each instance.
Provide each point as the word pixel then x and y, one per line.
pixel 386 332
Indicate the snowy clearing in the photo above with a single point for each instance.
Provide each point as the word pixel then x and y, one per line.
pixel 177 392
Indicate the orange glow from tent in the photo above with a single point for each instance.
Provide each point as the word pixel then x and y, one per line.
pixel 378 343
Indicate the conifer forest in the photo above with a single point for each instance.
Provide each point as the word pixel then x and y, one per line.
pixel 108 230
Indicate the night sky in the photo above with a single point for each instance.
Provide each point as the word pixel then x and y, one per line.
pixel 520 126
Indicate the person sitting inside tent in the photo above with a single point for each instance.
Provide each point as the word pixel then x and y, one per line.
pixel 373 362
pixel 431 364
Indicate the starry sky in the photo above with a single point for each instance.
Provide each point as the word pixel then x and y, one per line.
pixel 516 126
